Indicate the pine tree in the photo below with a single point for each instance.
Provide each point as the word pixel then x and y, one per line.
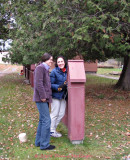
pixel 95 29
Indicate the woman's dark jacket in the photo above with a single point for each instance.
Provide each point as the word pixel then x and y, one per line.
pixel 58 77
pixel 42 84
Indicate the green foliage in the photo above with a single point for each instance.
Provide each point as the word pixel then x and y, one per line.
pixel 94 29
pixel 4 17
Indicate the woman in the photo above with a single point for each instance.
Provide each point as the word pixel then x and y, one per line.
pixel 59 89
pixel 42 97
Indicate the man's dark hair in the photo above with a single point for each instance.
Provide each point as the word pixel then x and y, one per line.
pixel 45 57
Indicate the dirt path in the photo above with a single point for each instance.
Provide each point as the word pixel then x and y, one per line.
pixel 8 68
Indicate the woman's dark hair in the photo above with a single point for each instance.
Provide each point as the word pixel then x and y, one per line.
pixel 63 59
pixel 45 57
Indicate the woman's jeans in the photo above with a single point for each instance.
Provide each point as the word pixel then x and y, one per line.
pixel 43 130
pixel 57 112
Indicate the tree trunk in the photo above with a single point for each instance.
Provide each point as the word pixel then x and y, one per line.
pixel 124 80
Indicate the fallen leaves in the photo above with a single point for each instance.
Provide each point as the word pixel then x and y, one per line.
pixel 9 128
pixel 31 125
pixel 107 119
pixel 107 157
pixel 106 122
pixel 127 133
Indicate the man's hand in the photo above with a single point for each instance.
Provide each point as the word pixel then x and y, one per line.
pixel 43 100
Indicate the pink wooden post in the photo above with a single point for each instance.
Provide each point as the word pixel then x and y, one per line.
pixel 27 73
pixel 31 72
pixel 76 101
pixel 24 69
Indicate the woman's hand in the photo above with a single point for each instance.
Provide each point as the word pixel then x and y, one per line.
pixel 59 89
pixel 62 87
pixel 43 100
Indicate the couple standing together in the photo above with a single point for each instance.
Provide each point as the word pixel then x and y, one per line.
pixel 49 89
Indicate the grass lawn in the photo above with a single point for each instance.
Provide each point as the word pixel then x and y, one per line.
pixel 106 123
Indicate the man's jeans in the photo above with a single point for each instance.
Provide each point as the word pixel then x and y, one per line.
pixel 43 130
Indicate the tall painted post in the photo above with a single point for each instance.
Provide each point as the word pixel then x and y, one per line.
pixel 31 77
pixel 76 101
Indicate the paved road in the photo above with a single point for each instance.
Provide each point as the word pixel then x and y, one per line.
pixel 110 77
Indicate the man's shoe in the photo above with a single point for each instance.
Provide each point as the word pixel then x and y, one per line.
pixel 49 148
